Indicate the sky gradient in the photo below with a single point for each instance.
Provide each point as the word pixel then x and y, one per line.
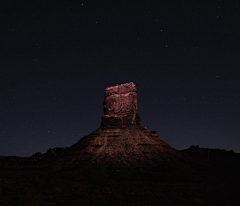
pixel 57 58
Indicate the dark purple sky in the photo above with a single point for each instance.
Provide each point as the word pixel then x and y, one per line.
pixel 56 59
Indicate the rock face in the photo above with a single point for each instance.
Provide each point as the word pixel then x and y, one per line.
pixel 120 106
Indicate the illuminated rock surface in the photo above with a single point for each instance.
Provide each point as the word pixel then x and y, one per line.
pixel 120 106
pixel 121 138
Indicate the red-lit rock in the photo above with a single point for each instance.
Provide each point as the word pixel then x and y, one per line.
pixel 120 139
pixel 120 106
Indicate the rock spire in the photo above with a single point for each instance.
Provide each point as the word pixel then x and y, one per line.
pixel 121 139
pixel 120 106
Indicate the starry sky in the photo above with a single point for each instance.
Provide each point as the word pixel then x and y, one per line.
pixel 57 58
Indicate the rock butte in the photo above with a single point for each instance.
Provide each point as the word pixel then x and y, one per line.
pixel 121 138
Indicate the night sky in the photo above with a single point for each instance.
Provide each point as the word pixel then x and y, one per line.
pixel 57 58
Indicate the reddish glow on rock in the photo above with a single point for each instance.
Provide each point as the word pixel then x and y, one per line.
pixel 120 105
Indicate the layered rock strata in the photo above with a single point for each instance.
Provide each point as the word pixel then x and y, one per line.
pixel 126 145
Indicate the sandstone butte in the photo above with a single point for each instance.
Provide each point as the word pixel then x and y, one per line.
pixel 121 139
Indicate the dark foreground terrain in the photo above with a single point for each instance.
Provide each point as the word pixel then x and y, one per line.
pixel 211 178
